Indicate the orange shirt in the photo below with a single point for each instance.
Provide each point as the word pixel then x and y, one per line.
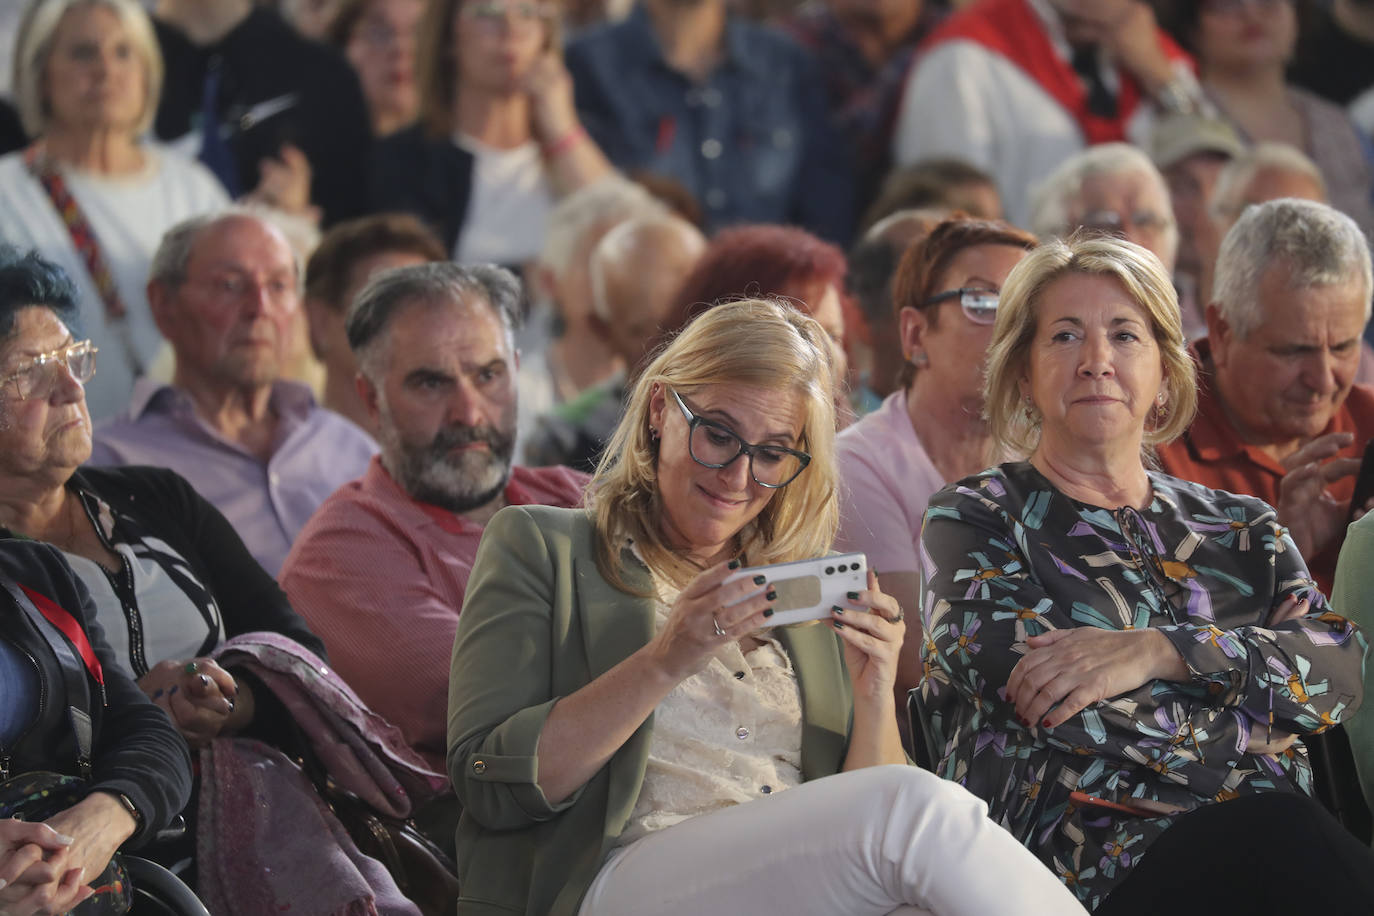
pixel 1211 454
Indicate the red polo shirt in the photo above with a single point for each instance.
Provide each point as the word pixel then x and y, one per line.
pixel 1211 454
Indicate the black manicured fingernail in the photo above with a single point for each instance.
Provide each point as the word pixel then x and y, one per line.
pixel 771 595
pixel 759 580
pixel 837 625
pixel 837 609
pixel 204 681
pixel 768 612
pixel 231 705
pixel 852 596
pixel 734 564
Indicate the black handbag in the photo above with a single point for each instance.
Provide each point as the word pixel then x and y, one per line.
pixel 422 871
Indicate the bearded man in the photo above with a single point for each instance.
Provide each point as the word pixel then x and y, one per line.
pixel 379 572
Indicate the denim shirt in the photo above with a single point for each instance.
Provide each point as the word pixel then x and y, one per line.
pixel 753 142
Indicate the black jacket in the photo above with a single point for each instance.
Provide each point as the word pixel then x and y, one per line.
pixel 428 176
pixel 136 750
pixel 275 88
pixel 163 502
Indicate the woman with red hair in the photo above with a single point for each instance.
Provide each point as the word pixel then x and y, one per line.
pixel 771 262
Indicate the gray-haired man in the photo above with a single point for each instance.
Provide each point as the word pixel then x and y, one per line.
pixel 381 569
pixel 1280 416
pixel 224 290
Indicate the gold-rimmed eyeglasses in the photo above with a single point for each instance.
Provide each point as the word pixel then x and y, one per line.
pixel 40 375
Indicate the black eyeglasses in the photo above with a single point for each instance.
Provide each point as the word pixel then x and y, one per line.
pixel 978 305
pixel 715 445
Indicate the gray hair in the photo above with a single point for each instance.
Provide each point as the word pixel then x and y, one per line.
pixel 1319 245
pixel 628 242
pixel 391 291
pixel 168 266
pixel 1055 198
pixel 1228 198
pixel 33 47
pixel 611 200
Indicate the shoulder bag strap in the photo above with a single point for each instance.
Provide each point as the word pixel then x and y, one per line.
pixel 54 623
pixel 45 171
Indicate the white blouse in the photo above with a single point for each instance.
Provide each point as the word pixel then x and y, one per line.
pixel 728 734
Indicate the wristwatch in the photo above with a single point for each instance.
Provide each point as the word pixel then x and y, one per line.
pixel 130 807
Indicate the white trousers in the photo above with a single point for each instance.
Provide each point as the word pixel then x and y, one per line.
pixel 876 841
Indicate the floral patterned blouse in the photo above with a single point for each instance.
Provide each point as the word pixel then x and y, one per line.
pixel 1005 556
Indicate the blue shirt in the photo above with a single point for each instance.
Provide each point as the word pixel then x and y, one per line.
pixel 753 142
pixel 19 687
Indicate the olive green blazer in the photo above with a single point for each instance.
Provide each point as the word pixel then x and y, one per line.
pixel 539 622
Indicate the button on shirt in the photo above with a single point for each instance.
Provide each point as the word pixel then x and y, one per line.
pixel 753 141
pixel 728 734
pixel 314 453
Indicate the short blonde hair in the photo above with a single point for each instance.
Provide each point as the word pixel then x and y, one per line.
pixel 759 342
pixel 33 46
pixel 1016 430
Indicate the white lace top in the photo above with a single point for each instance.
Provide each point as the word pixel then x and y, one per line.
pixel 728 734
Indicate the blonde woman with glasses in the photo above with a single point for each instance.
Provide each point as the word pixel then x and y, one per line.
pixel 627 735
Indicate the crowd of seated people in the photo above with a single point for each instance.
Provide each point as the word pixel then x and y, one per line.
pixel 390 388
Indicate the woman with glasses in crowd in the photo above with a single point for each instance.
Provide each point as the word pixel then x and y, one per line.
pixel 625 733
pixel 1122 663
pixel 498 138
pixel 170 578
pixel 378 37
pixel 931 430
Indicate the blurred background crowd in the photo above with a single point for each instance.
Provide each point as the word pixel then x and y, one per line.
pixel 220 192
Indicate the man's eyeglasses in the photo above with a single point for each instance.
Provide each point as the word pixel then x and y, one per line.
pixel 979 305
pixel 40 376
pixel 715 445
pixel 1120 224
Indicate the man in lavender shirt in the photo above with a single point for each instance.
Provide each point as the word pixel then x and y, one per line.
pixel 224 289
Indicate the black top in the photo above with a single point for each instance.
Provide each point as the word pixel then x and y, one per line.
pixel 276 88
pixel 1331 62
pixel 136 750
pixel 164 503
pixel 428 176
pixel 11 130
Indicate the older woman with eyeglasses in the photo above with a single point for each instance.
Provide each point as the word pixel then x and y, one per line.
pixel 627 735
pixel 499 138
pixel 169 577
pixel 1122 663
pixel 931 430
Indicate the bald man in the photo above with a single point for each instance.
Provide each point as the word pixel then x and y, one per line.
pixel 635 271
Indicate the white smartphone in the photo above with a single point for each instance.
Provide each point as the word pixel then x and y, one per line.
pixel 808 589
